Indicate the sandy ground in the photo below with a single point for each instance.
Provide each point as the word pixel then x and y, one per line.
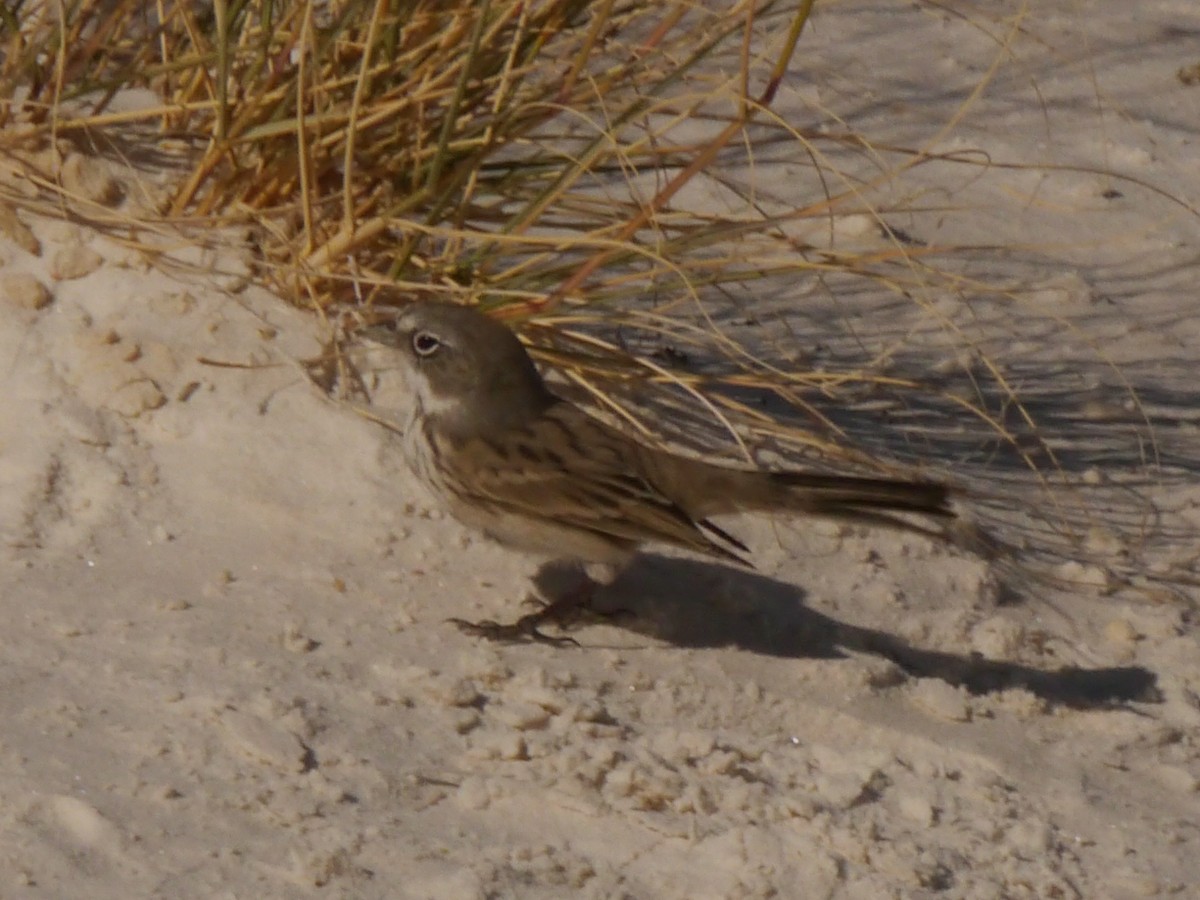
pixel 224 666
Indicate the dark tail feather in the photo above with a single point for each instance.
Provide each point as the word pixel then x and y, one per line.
pixel 845 496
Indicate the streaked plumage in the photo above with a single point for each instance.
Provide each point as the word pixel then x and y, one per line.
pixel 537 473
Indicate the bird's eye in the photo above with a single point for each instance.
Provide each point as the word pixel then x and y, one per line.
pixel 425 344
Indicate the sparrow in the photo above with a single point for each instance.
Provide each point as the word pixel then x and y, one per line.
pixel 506 456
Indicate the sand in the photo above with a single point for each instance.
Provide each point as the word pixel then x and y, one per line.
pixel 225 669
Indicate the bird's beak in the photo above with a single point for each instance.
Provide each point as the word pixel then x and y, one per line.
pixel 378 334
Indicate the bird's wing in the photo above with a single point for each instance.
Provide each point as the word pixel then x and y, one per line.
pixel 566 467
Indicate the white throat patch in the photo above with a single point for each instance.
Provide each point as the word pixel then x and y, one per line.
pixel 432 403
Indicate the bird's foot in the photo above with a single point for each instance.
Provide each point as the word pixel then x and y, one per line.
pixel 565 612
pixel 524 630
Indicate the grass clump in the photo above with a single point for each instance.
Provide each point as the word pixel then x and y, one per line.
pixel 468 145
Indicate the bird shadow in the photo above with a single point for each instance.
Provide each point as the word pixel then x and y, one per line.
pixel 691 603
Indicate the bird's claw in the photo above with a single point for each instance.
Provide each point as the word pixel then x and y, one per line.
pixel 525 629
pixel 565 612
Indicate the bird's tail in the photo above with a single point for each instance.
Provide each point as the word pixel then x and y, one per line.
pixel 916 506
pixel 704 490
pixel 837 494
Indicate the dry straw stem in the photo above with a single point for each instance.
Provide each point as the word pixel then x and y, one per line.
pixel 549 159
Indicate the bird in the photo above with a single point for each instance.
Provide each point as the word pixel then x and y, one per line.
pixel 507 456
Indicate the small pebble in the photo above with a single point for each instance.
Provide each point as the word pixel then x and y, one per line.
pixel 74 261
pixel 17 231
pixel 1121 631
pixel 24 291
pixel 89 178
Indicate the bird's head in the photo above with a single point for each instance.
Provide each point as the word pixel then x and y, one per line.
pixel 469 371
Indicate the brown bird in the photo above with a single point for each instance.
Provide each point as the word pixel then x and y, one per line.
pixel 537 473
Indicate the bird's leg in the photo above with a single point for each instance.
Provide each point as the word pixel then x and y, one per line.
pixel 568 608
pixel 518 632
pixel 562 611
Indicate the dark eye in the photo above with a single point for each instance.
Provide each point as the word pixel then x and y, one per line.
pixel 425 344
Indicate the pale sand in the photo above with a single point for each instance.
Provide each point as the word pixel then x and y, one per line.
pixel 224 666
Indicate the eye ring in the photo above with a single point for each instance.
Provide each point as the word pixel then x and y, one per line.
pixel 425 343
